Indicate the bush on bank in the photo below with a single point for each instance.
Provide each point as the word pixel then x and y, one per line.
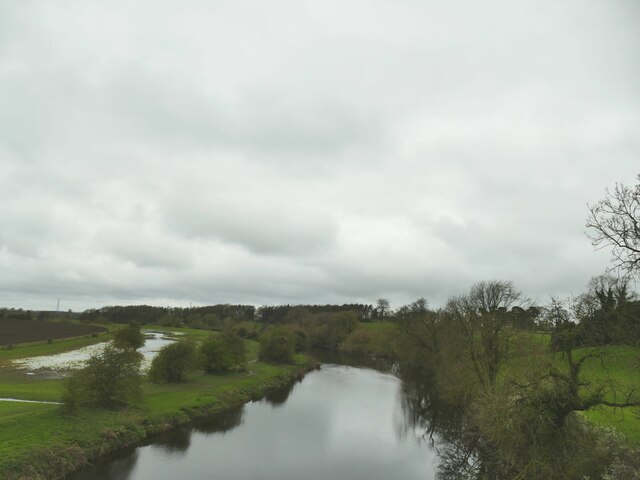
pixel 172 363
pixel 277 345
pixel 222 353
pixel 110 379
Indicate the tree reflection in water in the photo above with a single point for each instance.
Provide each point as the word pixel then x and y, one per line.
pixel 278 397
pixel 221 422
pixel 330 432
pixel 175 442
pixel 461 452
pixel 120 468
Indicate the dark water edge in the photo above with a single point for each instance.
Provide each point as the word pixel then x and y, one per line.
pixel 358 360
pixel 344 421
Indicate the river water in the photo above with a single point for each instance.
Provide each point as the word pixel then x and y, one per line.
pixel 340 422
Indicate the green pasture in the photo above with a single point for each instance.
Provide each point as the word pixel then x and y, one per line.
pixel 614 370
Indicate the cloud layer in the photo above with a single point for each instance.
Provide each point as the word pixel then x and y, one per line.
pixel 302 151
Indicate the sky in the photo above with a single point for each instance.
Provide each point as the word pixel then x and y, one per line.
pixel 201 152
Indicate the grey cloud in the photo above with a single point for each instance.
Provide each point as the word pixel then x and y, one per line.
pixel 145 249
pixel 262 226
pixel 268 120
pixel 203 153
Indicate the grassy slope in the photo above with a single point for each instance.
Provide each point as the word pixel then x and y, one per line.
pixel 48 390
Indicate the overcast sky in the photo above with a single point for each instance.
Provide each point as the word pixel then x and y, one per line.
pixel 293 151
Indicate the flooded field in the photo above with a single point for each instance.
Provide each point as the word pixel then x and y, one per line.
pixel 60 362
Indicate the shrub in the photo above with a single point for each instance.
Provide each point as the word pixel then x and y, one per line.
pixel 302 343
pixel 236 348
pixel 358 341
pixel 130 337
pixel 277 346
pixel 222 353
pixel 328 331
pixel 171 363
pixel 248 330
pixel 111 378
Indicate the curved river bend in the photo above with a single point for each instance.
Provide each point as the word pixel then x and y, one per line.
pixel 339 422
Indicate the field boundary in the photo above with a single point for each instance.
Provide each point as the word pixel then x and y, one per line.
pixel 13 346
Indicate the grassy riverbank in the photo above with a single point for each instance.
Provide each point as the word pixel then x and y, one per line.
pixel 39 441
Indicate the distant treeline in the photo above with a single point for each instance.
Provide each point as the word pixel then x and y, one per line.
pixel 197 317
pixel 216 316
pixel 606 314
pixel 280 314
pixel 20 314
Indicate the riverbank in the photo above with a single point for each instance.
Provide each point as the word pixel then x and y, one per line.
pixel 615 367
pixel 39 442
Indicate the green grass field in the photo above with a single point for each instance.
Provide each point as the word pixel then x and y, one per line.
pixel 616 370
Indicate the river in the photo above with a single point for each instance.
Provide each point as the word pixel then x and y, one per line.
pixel 340 422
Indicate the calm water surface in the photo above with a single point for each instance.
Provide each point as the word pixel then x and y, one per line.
pixel 339 422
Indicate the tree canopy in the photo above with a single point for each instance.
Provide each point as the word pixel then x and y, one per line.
pixel 171 363
pixel 130 337
pixel 111 378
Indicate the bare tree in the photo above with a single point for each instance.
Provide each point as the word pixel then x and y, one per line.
pixel 480 318
pixel 615 222
pixel 383 307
